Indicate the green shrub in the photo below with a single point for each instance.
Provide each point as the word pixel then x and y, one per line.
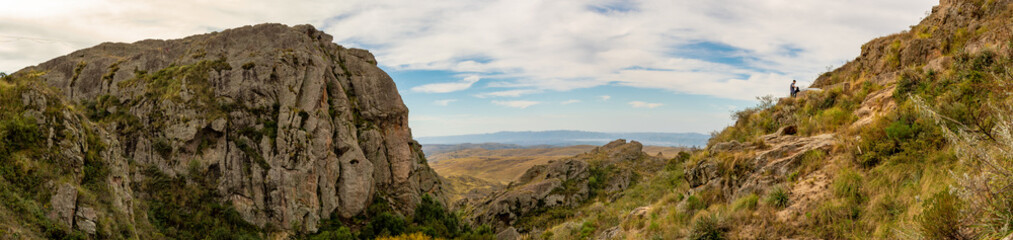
pixel 709 227
pixel 746 203
pixel 190 207
pixel 431 214
pixel 342 233
pixel 836 220
pixel 941 218
pixel 587 230
pixel 693 202
pixel 778 197
pixel 384 224
pixel 848 185
pixel 162 147
pixel 19 133
pixel 95 169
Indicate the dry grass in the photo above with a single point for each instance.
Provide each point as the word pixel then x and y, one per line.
pixel 485 170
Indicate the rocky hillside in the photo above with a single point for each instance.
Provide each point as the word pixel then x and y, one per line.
pixel 908 141
pixel 562 185
pixel 473 173
pixel 269 128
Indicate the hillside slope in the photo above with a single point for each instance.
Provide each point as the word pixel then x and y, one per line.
pixel 908 141
pixel 257 130
pixel 549 192
pixel 472 173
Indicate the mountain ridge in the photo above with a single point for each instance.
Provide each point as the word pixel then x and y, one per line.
pixel 570 137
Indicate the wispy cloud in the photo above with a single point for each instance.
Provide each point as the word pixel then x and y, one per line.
pixel 444 102
pixel 448 87
pixel 639 104
pixel 747 49
pixel 516 104
pixel 571 101
pixel 507 93
pixel 604 97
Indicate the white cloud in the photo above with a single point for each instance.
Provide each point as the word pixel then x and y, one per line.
pixel 516 104
pixel 639 104
pixel 444 102
pixel 546 45
pixel 604 97
pixel 507 93
pixel 571 101
pixel 448 87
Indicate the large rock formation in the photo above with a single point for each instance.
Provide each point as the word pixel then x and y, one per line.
pixel 291 126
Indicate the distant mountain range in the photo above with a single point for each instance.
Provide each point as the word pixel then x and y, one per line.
pixel 569 138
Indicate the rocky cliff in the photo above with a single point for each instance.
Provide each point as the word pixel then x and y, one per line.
pixel 281 124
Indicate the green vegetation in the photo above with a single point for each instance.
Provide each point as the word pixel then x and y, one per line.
pixel 168 83
pixel 109 109
pixel 778 197
pixel 380 220
pixel 189 207
pixel 27 165
pixel 941 218
pixel 746 203
pixel 709 227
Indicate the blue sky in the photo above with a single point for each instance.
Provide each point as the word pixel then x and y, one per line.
pixel 466 66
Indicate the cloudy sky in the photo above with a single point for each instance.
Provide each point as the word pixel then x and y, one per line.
pixel 477 66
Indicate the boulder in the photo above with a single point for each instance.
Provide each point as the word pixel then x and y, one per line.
pixel 508 234
pixel 64 203
pixel 85 219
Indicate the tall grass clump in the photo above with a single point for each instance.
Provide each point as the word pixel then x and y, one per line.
pixel 709 226
pixel 778 197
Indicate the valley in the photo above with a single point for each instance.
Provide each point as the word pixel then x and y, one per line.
pixel 485 170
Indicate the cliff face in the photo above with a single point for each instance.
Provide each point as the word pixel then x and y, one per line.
pixel 288 126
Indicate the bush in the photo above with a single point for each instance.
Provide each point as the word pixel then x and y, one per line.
pixel 709 227
pixel 342 233
pixel 384 224
pixel 587 230
pixel 431 214
pixel 835 219
pixel 778 197
pixel 189 207
pixel 941 218
pixel 19 133
pixel 162 147
pixel 748 202
pixel 693 202
pixel 407 236
pixel 848 185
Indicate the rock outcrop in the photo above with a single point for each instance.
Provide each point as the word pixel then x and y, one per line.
pixel 564 183
pixel 292 127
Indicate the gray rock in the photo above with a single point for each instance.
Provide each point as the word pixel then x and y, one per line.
pixel 611 233
pixel 292 126
pixel 508 234
pixel 85 219
pixel 64 203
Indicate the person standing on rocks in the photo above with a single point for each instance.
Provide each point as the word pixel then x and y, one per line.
pixel 793 89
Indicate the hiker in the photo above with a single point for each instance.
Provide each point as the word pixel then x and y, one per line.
pixel 793 89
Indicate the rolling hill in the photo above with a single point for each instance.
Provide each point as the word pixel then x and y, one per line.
pixel 569 138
